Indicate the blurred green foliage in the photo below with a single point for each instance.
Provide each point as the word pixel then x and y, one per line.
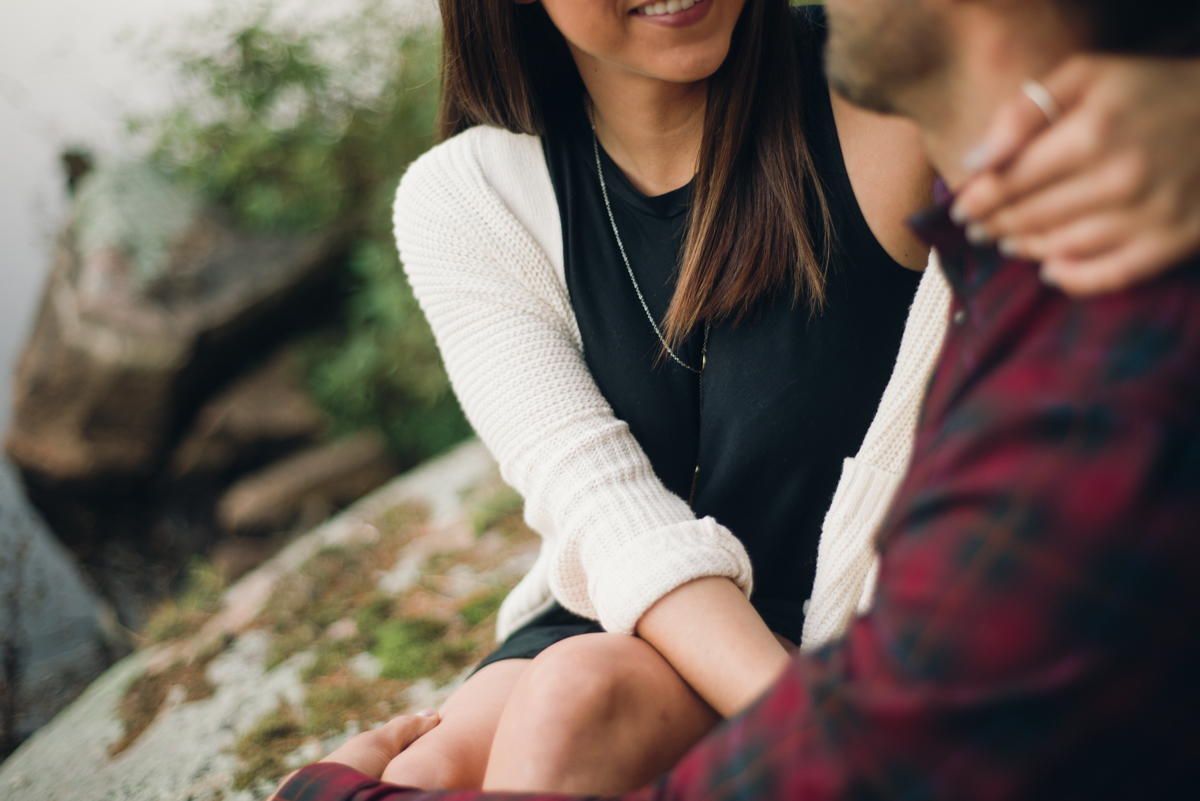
pixel 384 370
pixel 302 125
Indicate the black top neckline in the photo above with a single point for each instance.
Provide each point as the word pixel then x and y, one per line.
pixel 665 206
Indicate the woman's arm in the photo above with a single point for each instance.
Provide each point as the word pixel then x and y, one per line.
pixel 716 641
pixel 1110 194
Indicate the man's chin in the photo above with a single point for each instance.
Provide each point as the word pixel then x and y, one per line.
pixel 861 93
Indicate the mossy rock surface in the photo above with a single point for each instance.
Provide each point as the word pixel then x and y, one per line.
pixel 382 610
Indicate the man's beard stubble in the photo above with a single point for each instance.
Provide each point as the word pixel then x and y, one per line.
pixel 879 50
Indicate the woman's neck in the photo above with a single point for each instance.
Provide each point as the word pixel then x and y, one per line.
pixel 651 128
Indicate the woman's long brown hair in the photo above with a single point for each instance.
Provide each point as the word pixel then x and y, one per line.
pixel 756 196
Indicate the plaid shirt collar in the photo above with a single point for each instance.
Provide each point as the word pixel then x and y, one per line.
pixel 968 268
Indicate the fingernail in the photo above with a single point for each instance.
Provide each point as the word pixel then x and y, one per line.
pixel 977 158
pixel 427 713
pixel 1008 247
pixel 1048 278
pixel 958 214
pixel 977 234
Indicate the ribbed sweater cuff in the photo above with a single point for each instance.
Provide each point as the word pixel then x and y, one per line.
pixel 642 571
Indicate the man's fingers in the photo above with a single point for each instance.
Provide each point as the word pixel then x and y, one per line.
pixel 371 751
pixel 401 732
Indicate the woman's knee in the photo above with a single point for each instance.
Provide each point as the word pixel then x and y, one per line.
pixel 595 712
pixel 454 754
pixel 435 763
pixel 584 681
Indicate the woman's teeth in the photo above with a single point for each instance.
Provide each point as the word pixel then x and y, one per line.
pixel 669 7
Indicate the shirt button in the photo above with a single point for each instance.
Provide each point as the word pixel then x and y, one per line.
pixel 960 316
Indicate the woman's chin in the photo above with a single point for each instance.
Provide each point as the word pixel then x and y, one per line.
pixel 686 64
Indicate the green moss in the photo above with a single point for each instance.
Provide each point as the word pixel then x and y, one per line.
pixel 262 750
pixel 481 607
pixel 144 696
pixel 494 507
pixel 289 642
pixel 333 584
pixel 372 614
pixel 198 598
pixel 413 649
pixel 334 701
pixel 331 656
pixel 409 649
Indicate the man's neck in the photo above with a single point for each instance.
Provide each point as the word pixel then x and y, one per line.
pixel 998 52
pixel 651 128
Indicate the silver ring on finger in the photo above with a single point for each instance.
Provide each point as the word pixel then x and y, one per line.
pixel 1042 98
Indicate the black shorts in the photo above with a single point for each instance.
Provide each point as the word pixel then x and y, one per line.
pixel 551 626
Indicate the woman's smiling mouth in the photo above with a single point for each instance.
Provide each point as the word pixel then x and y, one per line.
pixel 673 13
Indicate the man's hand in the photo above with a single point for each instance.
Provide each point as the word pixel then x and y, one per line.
pixel 371 751
pixel 1107 196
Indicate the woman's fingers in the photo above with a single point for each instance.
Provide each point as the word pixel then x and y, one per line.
pixel 1111 271
pixel 1067 149
pixel 1135 259
pixel 1014 126
pixel 1110 194
pixel 1117 183
pixel 371 751
pixel 1084 238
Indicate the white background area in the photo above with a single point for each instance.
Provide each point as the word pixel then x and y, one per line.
pixel 69 76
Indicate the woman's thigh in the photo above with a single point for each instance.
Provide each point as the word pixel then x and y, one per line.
pixel 454 755
pixel 595 714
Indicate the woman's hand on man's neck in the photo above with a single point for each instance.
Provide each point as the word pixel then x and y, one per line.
pixel 651 128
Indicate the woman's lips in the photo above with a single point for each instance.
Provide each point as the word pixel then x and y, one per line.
pixel 673 13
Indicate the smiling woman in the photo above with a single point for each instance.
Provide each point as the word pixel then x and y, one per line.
pixel 721 100
pixel 626 250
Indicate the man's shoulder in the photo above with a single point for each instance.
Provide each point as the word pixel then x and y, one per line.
pixel 1135 352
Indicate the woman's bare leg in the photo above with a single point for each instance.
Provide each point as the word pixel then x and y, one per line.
pixel 455 754
pixel 595 714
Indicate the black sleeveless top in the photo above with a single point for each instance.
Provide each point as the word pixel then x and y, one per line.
pixel 786 395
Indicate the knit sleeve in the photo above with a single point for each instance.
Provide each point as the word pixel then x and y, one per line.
pixel 846 558
pixel 618 540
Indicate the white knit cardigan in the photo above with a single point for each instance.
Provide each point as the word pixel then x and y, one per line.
pixel 479 234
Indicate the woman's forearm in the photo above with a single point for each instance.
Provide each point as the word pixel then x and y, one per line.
pixel 716 641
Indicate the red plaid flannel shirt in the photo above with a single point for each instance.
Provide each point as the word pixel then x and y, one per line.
pixel 1036 629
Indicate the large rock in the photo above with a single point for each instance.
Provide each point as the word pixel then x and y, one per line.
pixel 261 416
pixel 283 672
pixel 307 485
pixel 55 634
pixel 153 300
